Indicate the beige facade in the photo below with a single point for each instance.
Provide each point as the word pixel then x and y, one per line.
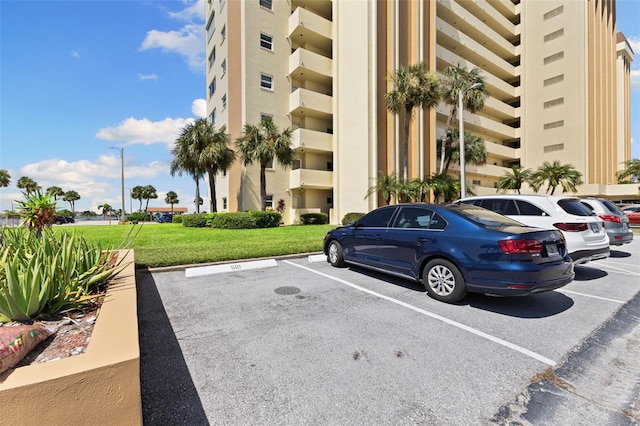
pixel 557 75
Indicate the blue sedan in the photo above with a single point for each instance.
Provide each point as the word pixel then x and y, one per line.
pixel 454 249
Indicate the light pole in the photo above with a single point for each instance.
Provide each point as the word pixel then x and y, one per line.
pixel 122 217
pixel 463 177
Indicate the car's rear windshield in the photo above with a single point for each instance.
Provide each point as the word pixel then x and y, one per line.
pixel 611 207
pixel 575 207
pixel 484 216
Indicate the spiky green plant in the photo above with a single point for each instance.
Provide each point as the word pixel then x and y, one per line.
pixel 37 210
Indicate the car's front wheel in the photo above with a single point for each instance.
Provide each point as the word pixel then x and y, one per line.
pixel 444 281
pixel 335 254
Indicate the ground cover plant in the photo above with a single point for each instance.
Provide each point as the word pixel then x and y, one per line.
pixel 174 244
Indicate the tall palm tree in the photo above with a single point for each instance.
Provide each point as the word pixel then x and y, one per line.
pixel 631 172
pixel 5 178
pixel 217 157
pixel 29 185
pixel 149 193
pixel 475 151
pixel 514 179
pixel 56 192
pixel 413 87
pixel 71 197
pixel 555 174
pixel 137 193
pixel 386 184
pixel 106 208
pixel 263 144
pixel 171 198
pixel 457 79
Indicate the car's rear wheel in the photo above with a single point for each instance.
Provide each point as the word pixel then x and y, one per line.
pixel 335 254
pixel 444 281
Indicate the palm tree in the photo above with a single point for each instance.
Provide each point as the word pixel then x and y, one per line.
pixel 5 178
pixel 106 208
pixel 71 197
pixel 171 198
pixel 475 151
pixel 458 79
pixel 201 149
pixel 413 87
pixel 38 211
pixel 149 193
pixel 385 183
pixel 56 192
pixel 137 193
pixel 631 172
pixel 445 186
pixel 29 185
pixel 514 179
pixel 263 144
pixel 555 174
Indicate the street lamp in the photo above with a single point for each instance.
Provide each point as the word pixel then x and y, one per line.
pixel 122 217
pixel 463 177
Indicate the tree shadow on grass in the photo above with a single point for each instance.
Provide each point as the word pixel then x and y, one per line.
pixel 169 396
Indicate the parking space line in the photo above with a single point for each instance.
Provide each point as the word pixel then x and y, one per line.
pixel 608 265
pixel 591 296
pixel 453 323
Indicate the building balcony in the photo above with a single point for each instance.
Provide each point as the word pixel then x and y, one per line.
pixel 312 141
pixel 305 102
pixel 311 179
pixel 307 28
pixel 307 65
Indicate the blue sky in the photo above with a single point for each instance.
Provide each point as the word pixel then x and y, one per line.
pixel 78 77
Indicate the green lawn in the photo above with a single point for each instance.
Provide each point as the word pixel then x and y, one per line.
pixel 173 244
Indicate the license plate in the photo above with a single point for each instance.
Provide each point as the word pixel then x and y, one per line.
pixel 595 227
pixel 552 250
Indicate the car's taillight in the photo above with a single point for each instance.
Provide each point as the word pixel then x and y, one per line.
pixel 520 246
pixel 571 227
pixel 611 218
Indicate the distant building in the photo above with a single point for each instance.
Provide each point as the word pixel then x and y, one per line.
pixel 557 73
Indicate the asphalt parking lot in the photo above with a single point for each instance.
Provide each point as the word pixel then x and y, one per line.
pixel 300 342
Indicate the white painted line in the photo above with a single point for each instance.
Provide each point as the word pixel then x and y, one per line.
pixel 461 326
pixel 317 258
pixel 561 290
pixel 620 270
pixel 229 267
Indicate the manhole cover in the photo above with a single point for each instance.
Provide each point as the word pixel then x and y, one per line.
pixel 287 290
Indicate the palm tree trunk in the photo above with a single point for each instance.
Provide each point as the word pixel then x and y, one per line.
pixel 213 204
pixel 263 186
pixel 447 127
pixel 197 196
pixel 405 158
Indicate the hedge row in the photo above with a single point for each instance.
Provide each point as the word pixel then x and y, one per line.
pixel 231 220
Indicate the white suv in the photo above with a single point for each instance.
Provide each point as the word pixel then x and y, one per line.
pixel 584 232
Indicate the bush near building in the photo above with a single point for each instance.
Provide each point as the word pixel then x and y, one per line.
pixel 350 217
pixel 314 218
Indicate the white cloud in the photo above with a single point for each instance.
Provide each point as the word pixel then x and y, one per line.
pixel 143 77
pixel 186 42
pixel 144 131
pixel 199 108
pixel 193 12
pixel 74 53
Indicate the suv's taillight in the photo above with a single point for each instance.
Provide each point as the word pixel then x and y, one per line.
pixel 611 218
pixel 520 246
pixel 571 227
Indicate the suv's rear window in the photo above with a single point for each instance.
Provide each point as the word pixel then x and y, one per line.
pixel 575 207
pixel 612 207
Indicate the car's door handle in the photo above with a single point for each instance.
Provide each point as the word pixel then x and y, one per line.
pixel 424 240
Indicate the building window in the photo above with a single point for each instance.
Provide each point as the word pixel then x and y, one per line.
pixel 554 35
pixel 266 81
pixel 266 41
pixel 554 12
pixel 224 101
pixel 269 200
pixel 475 182
pixel 554 125
pixel 212 88
pixel 553 102
pixel 553 58
pixel 267 4
pixel 223 33
pixel 211 25
pixel 269 164
pixel 224 203
pixel 224 67
pixel 212 117
pixel 554 80
pixel 212 57
pixel 552 148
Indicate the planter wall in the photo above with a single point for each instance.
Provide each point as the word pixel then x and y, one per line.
pixel 101 386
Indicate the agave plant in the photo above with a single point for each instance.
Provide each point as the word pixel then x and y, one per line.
pixel 51 273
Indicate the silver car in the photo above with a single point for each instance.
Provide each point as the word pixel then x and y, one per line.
pixel 616 223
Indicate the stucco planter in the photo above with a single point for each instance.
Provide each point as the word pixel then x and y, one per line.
pixel 100 386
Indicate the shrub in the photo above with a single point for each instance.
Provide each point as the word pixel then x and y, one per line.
pixel 177 218
pixel 268 219
pixel 51 274
pixel 314 218
pixel 196 220
pixel 137 216
pixel 234 220
pixel 350 217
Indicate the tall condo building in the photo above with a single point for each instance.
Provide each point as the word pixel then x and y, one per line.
pixel 557 73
